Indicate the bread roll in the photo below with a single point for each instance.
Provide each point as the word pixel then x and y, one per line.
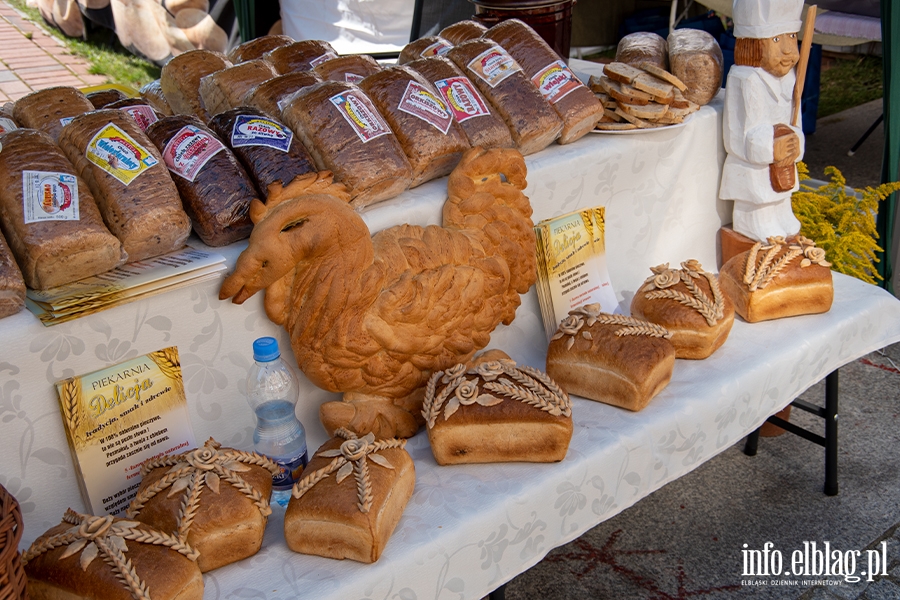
pixel 12 286
pixel 433 45
pixel 689 303
pixel 268 150
pixel 343 131
pixel 229 513
pixel 494 411
pixel 138 109
pixel 125 174
pixel 778 279
pixel 352 69
pixel 643 47
pixel 270 96
pixel 572 100
pixel 101 98
pixel 696 59
pixel 153 94
pixel 214 188
pixel 463 31
pixel 350 519
pixel 256 48
pixel 51 109
pixel 51 252
pixel 226 89
pixel 431 139
pixel 533 123
pixel 481 125
pixel 613 359
pixel 75 561
pixel 180 80
pixel 300 56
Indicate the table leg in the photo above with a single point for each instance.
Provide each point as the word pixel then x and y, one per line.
pixel 831 434
pixel 752 443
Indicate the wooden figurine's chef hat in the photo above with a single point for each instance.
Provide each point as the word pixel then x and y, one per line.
pixel 766 18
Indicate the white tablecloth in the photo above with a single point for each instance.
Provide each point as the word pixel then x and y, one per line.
pixel 467 529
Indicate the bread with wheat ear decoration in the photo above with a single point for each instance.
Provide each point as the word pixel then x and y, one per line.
pixel 690 304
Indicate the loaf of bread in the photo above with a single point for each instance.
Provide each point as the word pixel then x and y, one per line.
pixel 344 133
pixel 433 45
pixel 614 359
pixel 12 286
pixel 51 109
pixel 140 110
pixel 226 89
pixel 101 98
pixel 224 520
pixel 49 216
pixel 180 80
pixel 153 94
pixel 269 151
pixel 270 96
pixel 463 31
pixel 214 188
pixel 352 69
pixel 643 47
pixel 100 558
pixel 350 511
pixel 495 411
pixel 300 56
pixel 7 122
pixel 689 303
pixel 778 279
pixel 129 182
pixel 573 101
pixel 481 125
pixel 533 123
pixel 696 59
pixel 430 137
pixel 257 47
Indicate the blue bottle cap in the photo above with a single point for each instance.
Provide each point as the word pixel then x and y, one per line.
pixel 265 349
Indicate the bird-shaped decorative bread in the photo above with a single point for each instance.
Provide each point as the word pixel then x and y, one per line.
pixel 374 316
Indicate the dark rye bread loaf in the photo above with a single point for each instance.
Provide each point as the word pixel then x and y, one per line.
pixel 300 56
pixel 430 137
pixel 268 150
pixel 214 187
pixel 463 31
pixel 51 252
pixel 481 125
pixel 12 286
pixel 533 123
pixel 270 96
pixel 129 181
pixel 101 98
pixel 352 69
pixel 51 109
pixel 572 100
pixel 140 110
pixel 343 131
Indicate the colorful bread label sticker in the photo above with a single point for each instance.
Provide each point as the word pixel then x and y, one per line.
pixel 143 114
pixel 189 150
pixel 258 131
pixel 462 98
pixel 7 125
pixel 318 61
pixel 66 120
pixel 358 111
pixel 118 154
pixel 555 81
pixel 353 78
pixel 437 49
pixel 418 101
pixel 49 196
pixel 494 65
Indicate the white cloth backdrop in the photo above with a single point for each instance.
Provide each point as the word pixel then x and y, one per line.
pixel 467 529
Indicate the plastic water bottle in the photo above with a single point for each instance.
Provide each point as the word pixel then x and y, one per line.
pixel 272 392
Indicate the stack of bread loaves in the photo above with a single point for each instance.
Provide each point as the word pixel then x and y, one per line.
pixel 640 97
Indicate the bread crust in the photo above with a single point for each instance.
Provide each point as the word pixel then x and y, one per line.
pixel 12 286
pixel 257 47
pixel 299 56
pixel 180 80
pixel 351 68
pixel 45 110
pixel 225 89
pixel 267 95
pixel 462 31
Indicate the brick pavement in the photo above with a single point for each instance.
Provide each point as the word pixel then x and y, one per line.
pixel 31 59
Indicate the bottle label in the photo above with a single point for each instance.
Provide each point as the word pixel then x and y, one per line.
pixel 291 470
pixel 419 102
pixel 118 154
pixel 358 111
pixel 555 81
pixel 437 49
pixel 143 114
pixel 249 130
pixel 49 196
pixel 189 150
pixel 493 65
pixel 462 98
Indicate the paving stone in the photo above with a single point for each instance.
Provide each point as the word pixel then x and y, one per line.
pixel 818 593
pixel 883 589
pixel 8 76
pixel 12 87
pixel 43 71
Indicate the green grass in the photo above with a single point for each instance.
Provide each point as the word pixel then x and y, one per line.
pixel 849 83
pixel 102 50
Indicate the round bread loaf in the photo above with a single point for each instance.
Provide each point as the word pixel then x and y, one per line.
pixel 696 59
pixel 643 47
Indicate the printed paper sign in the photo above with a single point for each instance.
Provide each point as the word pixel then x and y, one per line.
pixel 6 125
pixel 462 98
pixel 189 150
pixel 555 81
pixel 418 101
pixel 493 65
pixel 318 61
pixel 118 154
pixel 358 111
pixel 49 196
pixel 437 49
pixel 143 115
pixel 257 131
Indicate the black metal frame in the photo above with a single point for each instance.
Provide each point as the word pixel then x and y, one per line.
pixel 830 441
